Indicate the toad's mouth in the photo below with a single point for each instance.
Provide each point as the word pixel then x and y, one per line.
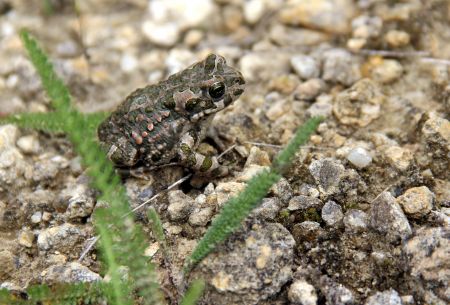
pixel 204 113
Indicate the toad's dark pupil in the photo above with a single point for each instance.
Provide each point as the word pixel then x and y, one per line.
pixel 217 90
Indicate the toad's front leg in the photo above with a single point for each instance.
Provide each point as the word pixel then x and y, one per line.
pixel 203 165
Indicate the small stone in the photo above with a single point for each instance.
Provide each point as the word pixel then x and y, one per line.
pixel 286 36
pixel 436 138
pixel 249 172
pixel 284 84
pixel 7 263
pixel 359 157
pixel 340 66
pixel 8 136
pixel 387 72
pixel 254 10
pixel 328 174
pixel 165 35
pixel 303 203
pixel 282 189
pixel 72 272
pixel 128 62
pixel 332 16
pixel 36 217
pixel 356 44
pixel 180 205
pixel 257 157
pixel 193 37
pixel 388 297
pixel 336 293
pixel 355 221
pixel 360 104
pixel 366 27
pixel 305 66
pixel 332 213
pixel 201 217
pixel 227 190
pixel 29 144
pixel 398 157
pixel 79 200
pixel 302 293
pixel 152 249
pixel 310 89
pixel 59 238
pixel 397 39
pixel 387 218
pixel 417 201
pixel 322 107
pixel 262 66
pixel 268 209
pixel 26 238
pixel 306 231
pixel 428 253
pixel 408 300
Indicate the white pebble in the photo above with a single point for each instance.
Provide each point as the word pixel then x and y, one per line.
pixel 128 63
pixel 36 217
pixel 359 157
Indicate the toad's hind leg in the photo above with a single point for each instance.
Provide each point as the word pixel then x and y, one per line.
pixel 203 165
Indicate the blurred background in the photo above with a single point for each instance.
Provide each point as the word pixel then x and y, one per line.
pixel 377 70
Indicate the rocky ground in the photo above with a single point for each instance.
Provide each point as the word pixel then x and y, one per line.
pixel 362 217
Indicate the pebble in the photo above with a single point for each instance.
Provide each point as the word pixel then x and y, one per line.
pixel 366 26
pixel 417 201
pixel 388 71
pixel 355 221
pixel 268 209
pixel 322 107
pixel 305 66
pixel 398 157
pixel 360 104
pixel 335 293
pixel 61 238
pixel 250 172
pixel 306 231
pixel 282 189
pixel 359 157
pixel 201 217
pixel 296 37
pixel 332 213
pixel 254 10
pixel 397 39
pixel 25 238
pixel 180 205
pixel 7 261
pixel 302 202
pixel 332 16
pixel 428 253
pixel 227 190
pixel 251 266
pixel 310 89
pixel 128 62
pixel 302 293
pixel 165 35
pixel 340 66
pixel 79 200
pixel 29 144
pixel 327 173
pixel 72 272
pixel 257 157
pixel 264 66
pixel 284 84
pixel 387 218
pixel 436 131
pixel 388 297
pixel 36 217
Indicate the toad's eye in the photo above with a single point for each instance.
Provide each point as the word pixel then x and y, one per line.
pixel 217 90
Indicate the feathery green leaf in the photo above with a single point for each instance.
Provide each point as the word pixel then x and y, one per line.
pixel 194 293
